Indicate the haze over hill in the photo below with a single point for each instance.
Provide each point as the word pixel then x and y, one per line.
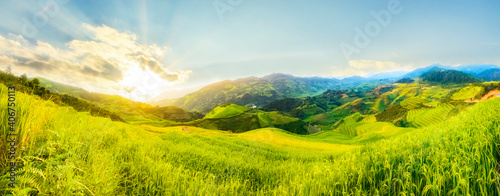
pixel 172 94
pixel 359 129
pixel 490 74
pixel 257 91
pixel 251 98
pixel 136 112
pixel 253 91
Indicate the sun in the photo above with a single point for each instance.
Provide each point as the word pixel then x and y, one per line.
pixel 141 84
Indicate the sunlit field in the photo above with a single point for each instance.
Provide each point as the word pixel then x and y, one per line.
pixel 249 98
pixel 64 152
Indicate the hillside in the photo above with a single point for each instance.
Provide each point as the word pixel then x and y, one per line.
pixel 256 91
pixel 239 150
pixel 249 98
pixel 387 103
pixel 448 77
pixel 469 69
pixel 225 111
pixel 308 106
pixel 33 86
pixel 490 75
pixel 238 119
pixel 379 159
pixel 173 94
pixel 131 111
pixel 253 91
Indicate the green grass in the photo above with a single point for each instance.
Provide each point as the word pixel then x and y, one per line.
pixel 378 130
pixel 414 114
pixel 250 120
pixel 225 111
pixel 312 111
pixel 327 120
pixel 414 102
pixel 272 118
pixel 348 124
pixel 405 91
pixel 435 92
pixel 469 92
pixel 383 102
pixel 369 119
pixel 426 117
pixel 64 152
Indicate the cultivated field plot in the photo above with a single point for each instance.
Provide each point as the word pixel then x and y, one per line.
pixel 426 117
pixel 183 160
pixel 414 102
pixel 469 92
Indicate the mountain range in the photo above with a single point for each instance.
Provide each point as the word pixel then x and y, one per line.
pixel 254 91
pixel 127 109
pixel 258 92
pixel 441 119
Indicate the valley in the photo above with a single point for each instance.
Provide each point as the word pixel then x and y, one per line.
pixel 249 98
pixel 410 136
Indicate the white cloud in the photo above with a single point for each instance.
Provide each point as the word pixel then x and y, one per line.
pixel 367 67
pixel 101 63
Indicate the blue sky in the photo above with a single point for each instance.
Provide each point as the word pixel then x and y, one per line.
pixel 302 38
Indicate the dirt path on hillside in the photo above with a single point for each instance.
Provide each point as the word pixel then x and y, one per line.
pixel 490 95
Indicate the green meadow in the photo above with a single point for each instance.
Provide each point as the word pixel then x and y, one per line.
pixel 249 98
pixel 65 152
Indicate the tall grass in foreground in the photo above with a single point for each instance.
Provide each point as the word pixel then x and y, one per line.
pixel 64 152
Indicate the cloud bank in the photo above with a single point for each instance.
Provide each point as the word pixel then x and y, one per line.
pixel 110 62
pixel 367 67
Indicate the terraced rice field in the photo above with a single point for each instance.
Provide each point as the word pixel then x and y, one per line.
pixel 414 102
pixel 369 119
pixel 426 117
pixel 382 129
pixel 405 91
pixel 226 111
pixel 383 101
pixel 349 124
pixel 467 93
pixel 74 153
pixel 435 93
pixel 413 114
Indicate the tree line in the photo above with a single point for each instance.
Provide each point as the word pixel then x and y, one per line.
pixel 23 84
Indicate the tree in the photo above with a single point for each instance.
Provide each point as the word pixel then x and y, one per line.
pixel 36 82
pixel 23 78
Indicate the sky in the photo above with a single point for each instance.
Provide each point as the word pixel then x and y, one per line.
pixel 141 48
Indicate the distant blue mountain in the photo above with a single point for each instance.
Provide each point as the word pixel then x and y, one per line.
pixel 470 69
pixel 418 72
pixel 388 75
pixel 354 79
pixel 473 69
pixel 490 75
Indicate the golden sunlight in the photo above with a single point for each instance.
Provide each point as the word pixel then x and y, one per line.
pixel 141 84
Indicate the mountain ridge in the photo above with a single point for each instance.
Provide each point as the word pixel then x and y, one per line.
pixel 254 91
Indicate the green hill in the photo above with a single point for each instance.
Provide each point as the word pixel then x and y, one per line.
pixel 413 102
pixel 309 106
pixel 469 92
pixel 240 119
pixel 33 86
pixel 254 91
pixel 448 77
pixel 65 152
pixel 427 117
pixel 226 111
pixel 490 75
pixel 405 80
pixel 130 111
pixel 62 88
